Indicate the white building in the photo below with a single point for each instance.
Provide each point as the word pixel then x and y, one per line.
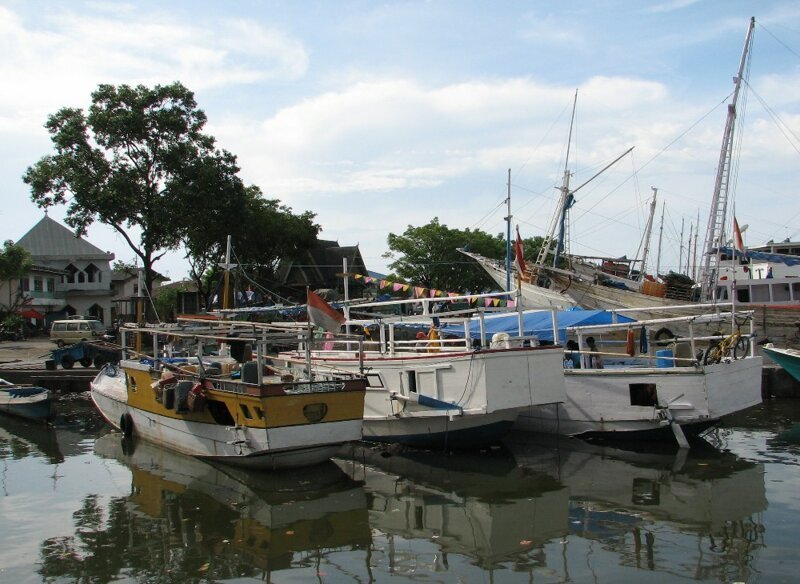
pixel 71 275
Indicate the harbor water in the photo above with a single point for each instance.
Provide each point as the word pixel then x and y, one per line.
pixel 80 504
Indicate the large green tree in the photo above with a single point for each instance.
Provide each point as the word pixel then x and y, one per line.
pixel 262 233
pixel 429 256
pixel 138 159
pixel 15 262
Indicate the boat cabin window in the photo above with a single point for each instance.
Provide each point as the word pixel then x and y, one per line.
pixel 412 381
pixel 643 394
pixel 219 411
pixel 259 413
pixel 374 380
pixel 743 295
pixel 245 411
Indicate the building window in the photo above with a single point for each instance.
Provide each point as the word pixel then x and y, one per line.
pixel 51 284
pixel 38 285
pixel 92 273
pixel 25 284
pixel 71 270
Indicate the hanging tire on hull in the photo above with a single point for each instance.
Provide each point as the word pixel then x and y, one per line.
pixel 126 425
pixel 663 337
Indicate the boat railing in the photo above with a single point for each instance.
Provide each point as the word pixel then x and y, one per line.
pixel 692 339
pixel 234 343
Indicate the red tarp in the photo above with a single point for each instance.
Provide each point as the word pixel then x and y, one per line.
pixel 31 313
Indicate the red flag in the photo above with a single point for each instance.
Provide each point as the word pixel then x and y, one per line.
pixel 519 260
pixel 323 314
pixel 738 242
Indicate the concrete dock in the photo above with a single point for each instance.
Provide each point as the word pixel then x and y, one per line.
pixel 24 362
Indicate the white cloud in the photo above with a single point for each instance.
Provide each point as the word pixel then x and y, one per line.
pixel 58 61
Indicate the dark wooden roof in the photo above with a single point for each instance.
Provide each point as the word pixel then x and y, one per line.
pixel 322 268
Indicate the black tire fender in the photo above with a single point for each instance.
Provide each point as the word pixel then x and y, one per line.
pixel 126 425
pixel 663 337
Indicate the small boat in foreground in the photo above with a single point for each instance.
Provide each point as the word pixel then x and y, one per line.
pixel 24 401
pixel 229 408
pixel 787 358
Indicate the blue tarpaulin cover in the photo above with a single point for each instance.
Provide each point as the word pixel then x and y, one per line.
pixel 775 258
pixel 536 322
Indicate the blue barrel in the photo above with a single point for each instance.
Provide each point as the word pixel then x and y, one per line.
pixel 664 358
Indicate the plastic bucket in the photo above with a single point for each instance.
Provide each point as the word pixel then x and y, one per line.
pixel 664 358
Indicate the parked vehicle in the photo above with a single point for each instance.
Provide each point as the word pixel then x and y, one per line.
pixel 73 330
pixel 7 334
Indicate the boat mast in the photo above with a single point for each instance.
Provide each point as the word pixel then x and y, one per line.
pixel 660 237
pixel 564 203
pixel 508 234
pixel 715 233
pixel 648 230
pixel 227 267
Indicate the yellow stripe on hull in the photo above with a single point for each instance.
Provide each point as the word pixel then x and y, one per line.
pixel 253 411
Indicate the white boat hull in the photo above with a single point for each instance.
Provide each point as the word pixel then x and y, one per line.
pixel 475 397
pixel 286 447
pixel 599 401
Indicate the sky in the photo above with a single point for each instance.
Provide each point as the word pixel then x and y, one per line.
pixel 377 116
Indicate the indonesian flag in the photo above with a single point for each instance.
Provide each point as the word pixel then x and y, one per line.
pixel 323 314
pixel 738 242
pixel 519 260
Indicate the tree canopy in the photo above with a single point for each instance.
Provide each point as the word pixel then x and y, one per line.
pixel 139 158
pixel 428 256
pixel 262 232
pixel 15 262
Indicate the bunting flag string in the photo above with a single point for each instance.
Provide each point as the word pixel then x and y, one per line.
pixel 422 292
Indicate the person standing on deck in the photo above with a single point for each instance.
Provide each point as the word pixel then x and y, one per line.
pixel 593 359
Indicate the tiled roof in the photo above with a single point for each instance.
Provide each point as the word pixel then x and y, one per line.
pixel 49 240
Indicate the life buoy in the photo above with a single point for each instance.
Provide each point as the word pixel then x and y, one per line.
pixel 126 425
pixel 663 333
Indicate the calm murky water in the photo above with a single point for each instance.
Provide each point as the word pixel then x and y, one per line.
pixel 79 504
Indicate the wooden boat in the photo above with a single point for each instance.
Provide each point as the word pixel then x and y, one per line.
pixel 668 394
pixel 789 359
pixel 532 295
pixel 439 392
pixel 25 401
pixel 227 409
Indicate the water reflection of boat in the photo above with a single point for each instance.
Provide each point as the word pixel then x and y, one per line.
pixel 699 508
pixel 64 437
pixel 481 505
pixel 253 520
pixel 21 438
